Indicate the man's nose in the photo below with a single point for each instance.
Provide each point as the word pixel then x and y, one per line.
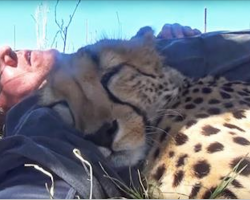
pixel 8 57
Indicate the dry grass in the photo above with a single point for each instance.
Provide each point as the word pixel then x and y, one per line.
pixel 231 176
pixel 152 191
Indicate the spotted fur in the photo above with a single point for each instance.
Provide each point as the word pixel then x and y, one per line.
pixel 208 140
pixel 190 134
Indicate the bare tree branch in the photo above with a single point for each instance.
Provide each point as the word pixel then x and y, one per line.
pixel 54 40
pixel 63 30
pixel 71 16
pixel 57 23
pixel 32 16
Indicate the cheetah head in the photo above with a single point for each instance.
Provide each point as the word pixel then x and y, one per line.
pixel 114 89
pixel 138 87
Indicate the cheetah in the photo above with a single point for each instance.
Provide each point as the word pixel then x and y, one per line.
pixel 189 133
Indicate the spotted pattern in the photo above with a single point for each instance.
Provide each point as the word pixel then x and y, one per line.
pixel 213 123
pixel 178 178
pixel 202 115
pixel 209 130
pixel 213 101
pixel 232 126
pixel 195 90
pixel 208 193
pixel 225 95
pixel 241 141
pixel 215 147
pixel 188 99
pixel 228 105
pixel 227 194
pixel 201 168
pixel 195 190
pixel 181 139
pixel 206 90
pixel 181 160
pixel 213 111
pixel 239 114
pixel 191 123
pixel 160 171
pixel 190 106
pixel 203 132
pixel 197 147
pixel 171 154
pixel 237 184
pixel 191 151
pixel 243 165
pixel 234 182
pixel 198 100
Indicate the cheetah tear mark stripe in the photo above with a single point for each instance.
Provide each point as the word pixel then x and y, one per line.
pixel 105 81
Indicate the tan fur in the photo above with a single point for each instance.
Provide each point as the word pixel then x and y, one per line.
pixel 219 161
pixel 77 81
pixel 138 90
pixel 80 87
pixel 144 88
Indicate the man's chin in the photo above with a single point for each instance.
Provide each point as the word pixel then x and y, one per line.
pixel 7 100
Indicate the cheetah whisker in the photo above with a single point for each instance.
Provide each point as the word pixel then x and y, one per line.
pixel 151 142
pixel 166 109
pixel 157 129
pixel 163 113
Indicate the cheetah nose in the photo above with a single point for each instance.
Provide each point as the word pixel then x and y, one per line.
pixel 105 135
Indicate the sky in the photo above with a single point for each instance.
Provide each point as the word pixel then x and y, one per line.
pixel 94 19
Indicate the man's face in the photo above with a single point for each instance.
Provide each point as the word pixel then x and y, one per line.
pixel 22 72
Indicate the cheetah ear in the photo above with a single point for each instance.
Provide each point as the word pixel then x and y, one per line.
pixel 146 37
pixel 144 32
pixel 143 54
pixel 149 38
